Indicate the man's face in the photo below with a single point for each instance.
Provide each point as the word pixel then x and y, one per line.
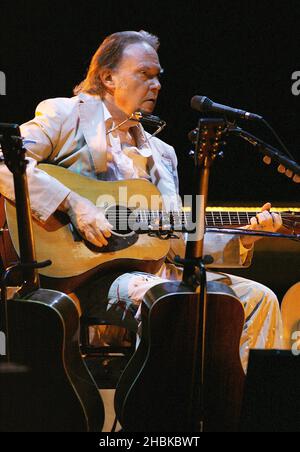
pixel 136 84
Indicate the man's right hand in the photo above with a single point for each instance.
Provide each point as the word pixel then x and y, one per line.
pixel 88 219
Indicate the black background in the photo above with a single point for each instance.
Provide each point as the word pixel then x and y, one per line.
pixel 240 54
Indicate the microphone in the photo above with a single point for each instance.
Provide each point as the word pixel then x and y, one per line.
pixel 204 104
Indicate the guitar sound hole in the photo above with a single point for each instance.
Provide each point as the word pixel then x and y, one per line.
pixel 122 219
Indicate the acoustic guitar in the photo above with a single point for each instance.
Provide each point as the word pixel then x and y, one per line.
pixel 154 391
pixel 55 391
pixel 126 204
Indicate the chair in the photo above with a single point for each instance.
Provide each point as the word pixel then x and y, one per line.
pixel 106 360
pixel 122 340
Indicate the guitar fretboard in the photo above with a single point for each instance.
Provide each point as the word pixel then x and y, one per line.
pixel 217 219
pixel 214 216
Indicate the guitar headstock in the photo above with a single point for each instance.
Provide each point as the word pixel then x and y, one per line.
pixel 207 138
pixel 12 149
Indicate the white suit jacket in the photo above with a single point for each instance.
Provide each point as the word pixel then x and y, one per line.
pixel 71 132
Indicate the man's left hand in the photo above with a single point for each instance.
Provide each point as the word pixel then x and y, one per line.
pixel 265 221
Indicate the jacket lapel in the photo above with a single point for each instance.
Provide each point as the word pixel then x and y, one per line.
pixel 165 179
pixel 93 128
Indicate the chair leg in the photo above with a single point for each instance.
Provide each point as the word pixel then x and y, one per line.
pixel 103 350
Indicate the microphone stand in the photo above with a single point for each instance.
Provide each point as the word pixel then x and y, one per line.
pixel 207 139
pixel 256 233
pixel 207 144
pixel 266 149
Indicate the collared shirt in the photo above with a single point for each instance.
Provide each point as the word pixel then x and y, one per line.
pixel 125 162
pixel 131 162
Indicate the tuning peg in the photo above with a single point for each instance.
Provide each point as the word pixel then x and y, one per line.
pixel 296 179
pixel 192 135
pixel 281 169
pixel 191 153
pixel 288 173
pixel 267 160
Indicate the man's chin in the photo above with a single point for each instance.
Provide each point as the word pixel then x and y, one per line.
pixel 146 108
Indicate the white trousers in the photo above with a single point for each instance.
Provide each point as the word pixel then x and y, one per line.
pixel 263 325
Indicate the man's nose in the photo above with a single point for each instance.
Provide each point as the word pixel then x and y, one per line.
pixel 155 84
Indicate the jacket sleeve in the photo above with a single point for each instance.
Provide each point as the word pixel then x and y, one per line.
pixel 41 135
pixel 226 251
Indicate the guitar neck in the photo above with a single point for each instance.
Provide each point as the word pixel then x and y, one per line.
pixel 234 218
pixel 25 233
pixel 212 217
pixel 215 217
pixel 14 158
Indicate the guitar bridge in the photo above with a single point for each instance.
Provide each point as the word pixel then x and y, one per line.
pixel 163 235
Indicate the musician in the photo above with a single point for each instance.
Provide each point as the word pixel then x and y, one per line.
pixel 91 134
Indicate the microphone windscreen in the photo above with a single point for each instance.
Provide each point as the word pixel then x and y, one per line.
pixel 201 103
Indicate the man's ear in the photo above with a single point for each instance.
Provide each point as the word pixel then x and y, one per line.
pixel 108 80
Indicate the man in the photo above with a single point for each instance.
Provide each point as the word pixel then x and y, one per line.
pixel 92 134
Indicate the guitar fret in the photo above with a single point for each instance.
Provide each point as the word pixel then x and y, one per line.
pixel 186 220
pixel 234 218
pixel 208 219
pixel 178 219
pixel 221 218
pixel 213 218
pixel 218 218
pixel 226 218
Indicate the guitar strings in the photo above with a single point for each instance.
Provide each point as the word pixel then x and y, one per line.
pixel 177 218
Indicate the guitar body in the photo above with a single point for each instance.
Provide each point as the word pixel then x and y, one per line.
pixel 73 259
pixel 55 392
pixel 154 391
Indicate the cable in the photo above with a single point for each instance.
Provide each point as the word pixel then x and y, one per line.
pixel 278 139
